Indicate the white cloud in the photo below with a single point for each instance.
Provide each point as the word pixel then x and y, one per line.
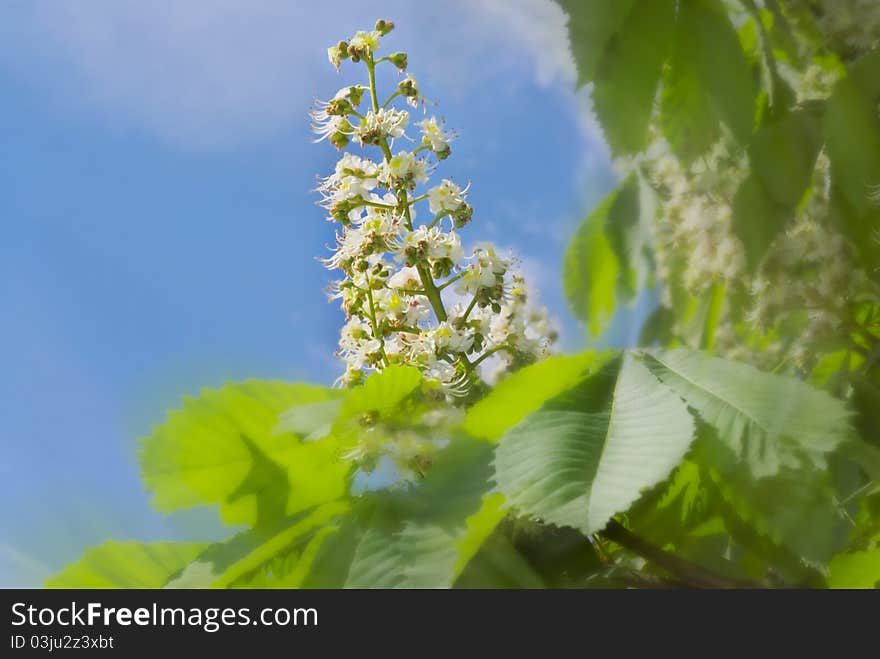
pixel 537 28
pixel 226 72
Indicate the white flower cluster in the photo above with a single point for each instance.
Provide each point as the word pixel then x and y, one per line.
pixel 411 293
pixel 849 27
pixel 804 291
pixel 809 278
pixel 694 238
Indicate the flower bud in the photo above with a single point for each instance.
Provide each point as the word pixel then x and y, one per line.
pixel 478 342
pixel 442 267
pixel 408 87
pixel 339 107
pixel 462 215
pixel 399 60
pixel 383 27
pixel 337 53
pixel 355 95
pixel 339 140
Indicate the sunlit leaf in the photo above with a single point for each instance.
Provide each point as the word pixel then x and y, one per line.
pixel 526 390
pixel 228 563
pixel 382 392
pixel 767 421
pixel 589 453
pixel 855 570
pixel 220 448
pixel 311 421
pixel 127 565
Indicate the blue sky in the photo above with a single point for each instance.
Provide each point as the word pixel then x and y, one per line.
pixel 160 236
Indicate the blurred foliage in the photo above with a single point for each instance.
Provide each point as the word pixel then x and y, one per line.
pixel 740 446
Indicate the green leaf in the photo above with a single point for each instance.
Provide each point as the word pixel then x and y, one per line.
pixel 220 448
pixel 526 390
pixel 658 326
pixel 382 393
pixel 859 569
pixel 794 508
pixel 127 565
pixel 311 421
pixel 627 231
pixel 377 561
pixel 783 154
pixel 767 421
pixel 628 74
pixel 421 538
pixel 866 401
pixel 238 560
pixel 451 515
pixel 561 556
pixel 709 80
pixel 852 133
pixel 588 454
pixel 757 219
pixel 591 268
pixel 687 117
pixel 591 25
pixel 498 564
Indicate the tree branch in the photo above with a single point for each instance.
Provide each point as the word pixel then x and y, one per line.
pixel 689 574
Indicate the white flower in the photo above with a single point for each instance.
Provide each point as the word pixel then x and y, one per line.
pixel 384 123
pixel 483 271
pixel 433 243
pixel 406 278
pixel 353 333
pixel 403 167
pixel 407 310
pixel 445 197
pixel 448 338
pixel 390 317
pixel 381 222
pixel 499 327
pixel 434 136
pixel 409 88
pixel 354 242
pixel 365 42
pixel 324 126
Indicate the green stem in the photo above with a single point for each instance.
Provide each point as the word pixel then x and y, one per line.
pixel 390 98
pixel 374 324
pixel 371 71
pixel 691 574
pixel 438 217
pixel 487 354
pixel 450 281
pixel 470 307
pixel 374 204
